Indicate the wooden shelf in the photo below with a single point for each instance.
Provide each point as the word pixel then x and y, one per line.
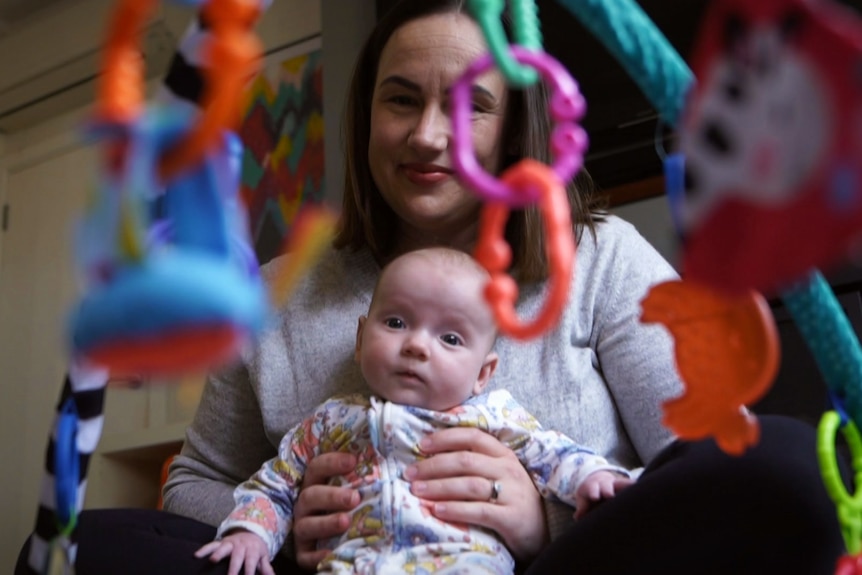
pixel 126 468
pixel 144 426
pixel 635 191
pixel 128 477
pixel 131 441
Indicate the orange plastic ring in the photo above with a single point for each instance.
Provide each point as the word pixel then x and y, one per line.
pixel 233 51
pixel 495 255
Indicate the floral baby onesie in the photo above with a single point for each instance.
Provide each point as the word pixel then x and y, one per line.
pixel 392 530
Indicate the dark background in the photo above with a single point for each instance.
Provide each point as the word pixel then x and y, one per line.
pixel 622 127
pixel 620 121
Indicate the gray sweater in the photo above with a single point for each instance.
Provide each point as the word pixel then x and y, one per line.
pixel 599 377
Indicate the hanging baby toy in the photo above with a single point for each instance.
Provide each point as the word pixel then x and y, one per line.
pixel 528 181
pixel 172 283
pixel 743 348
pixel 770 150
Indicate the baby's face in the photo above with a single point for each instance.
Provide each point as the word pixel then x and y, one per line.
pixel 427 338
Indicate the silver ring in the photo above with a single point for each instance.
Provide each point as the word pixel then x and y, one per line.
pixel 496 489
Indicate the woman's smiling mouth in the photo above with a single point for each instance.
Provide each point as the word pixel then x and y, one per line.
pixel 426 174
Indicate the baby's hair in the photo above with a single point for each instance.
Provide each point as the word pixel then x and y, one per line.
pixel 461 261
pixel 464 262
pixel 457 258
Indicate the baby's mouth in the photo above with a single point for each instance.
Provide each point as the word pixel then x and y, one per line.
pixel 410 375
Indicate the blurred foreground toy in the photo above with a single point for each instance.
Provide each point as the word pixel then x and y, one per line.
pixel 74 436
pixel 171 281
pixel 312 231
pixel 772 146
pixel 849 565
pixel 849 506
pixel 528 181
pixel 727 354
pixel 773 187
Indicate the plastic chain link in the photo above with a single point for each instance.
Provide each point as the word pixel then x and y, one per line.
pixel 493 253
pixel 568 140
pixel 527 32
pixel 849 507
pixel 234 46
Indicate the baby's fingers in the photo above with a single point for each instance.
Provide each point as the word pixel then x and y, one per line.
pixel 607 489
pixel 225 549
pixel 621 483
pixel 213 548
pixel 584 505
pixel 265 567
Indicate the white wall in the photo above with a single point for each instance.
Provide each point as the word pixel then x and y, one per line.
pixel 343 24
pixel 346 23
pixel 652 219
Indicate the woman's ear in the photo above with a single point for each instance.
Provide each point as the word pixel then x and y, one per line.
pixel 487 370
pixel 359 327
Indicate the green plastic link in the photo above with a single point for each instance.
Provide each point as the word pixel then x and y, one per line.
pixel 848 507
pixel 527 32
pixel 528 28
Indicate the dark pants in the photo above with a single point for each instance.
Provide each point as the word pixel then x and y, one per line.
pixel 694 510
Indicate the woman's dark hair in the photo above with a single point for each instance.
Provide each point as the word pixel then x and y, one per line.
pixel 366 218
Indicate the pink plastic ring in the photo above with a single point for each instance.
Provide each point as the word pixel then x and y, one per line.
pixel 568 140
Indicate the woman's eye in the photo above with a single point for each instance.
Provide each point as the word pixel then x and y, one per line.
pixel 478 108
pixel 451 339
pixel 394 323
pixel 475 108
pixel 402 100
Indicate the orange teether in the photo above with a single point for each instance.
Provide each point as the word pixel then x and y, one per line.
pixel 727 354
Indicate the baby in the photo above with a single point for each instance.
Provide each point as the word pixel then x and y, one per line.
pixel 425 350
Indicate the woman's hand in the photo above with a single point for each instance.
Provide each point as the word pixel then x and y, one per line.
pixel 460 478
pixel 317 513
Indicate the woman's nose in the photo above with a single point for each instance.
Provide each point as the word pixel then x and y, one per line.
pixel 432 131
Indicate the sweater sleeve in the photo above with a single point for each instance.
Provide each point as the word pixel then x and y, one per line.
pixel 636 360
pixel 557 465
pixel 224 445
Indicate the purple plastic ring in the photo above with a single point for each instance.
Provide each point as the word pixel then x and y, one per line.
pixel 568 140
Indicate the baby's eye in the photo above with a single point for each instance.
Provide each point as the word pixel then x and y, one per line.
pixel 393 322
pixel 451 339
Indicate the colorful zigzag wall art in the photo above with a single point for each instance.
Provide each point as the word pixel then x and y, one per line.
pixel 282 131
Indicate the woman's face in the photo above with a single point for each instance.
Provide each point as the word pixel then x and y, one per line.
pixel 411 135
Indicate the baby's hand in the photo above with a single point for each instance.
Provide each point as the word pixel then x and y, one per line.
pixel 597 487
pixel 244 548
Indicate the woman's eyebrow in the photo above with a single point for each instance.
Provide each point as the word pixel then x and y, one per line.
pixel 400 81
pixel 477 90
pixel 405 83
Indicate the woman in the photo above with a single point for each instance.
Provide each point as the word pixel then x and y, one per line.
pixel 599 376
